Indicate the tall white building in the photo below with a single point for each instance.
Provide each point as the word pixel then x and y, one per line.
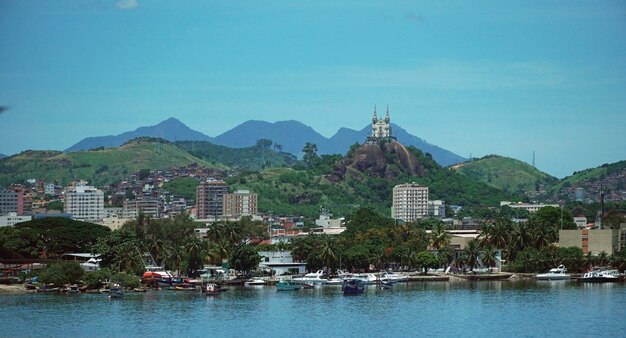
pixel 85 203
pixel 410 202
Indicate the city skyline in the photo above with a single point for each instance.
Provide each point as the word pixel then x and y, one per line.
pixel 479 79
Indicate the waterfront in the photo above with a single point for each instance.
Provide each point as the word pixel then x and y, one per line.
pixel 497 309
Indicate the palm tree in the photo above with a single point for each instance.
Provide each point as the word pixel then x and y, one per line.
pixel 232 233
pixel 471 253
pixel 497 233
pixel 328 253
pixel 196 251
pixel 488 255
pixel 174 257
pixel 214 232
pixel 439 237
pixel 520 236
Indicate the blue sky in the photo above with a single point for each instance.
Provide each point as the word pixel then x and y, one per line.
pixel 486 77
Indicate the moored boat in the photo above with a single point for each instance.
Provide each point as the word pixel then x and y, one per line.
pixel 311 278
pixel 558 273
pixel 353 287
pixel 601 276
pixel 211 289
pixel 255 281
pixel 184 287
pixel 116 291
pixel 287 285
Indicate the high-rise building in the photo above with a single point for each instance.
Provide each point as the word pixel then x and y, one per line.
pixel 85 203
pixel 148 205
pixel 240 203
pixel 410 202
pixel 11 201
pixel 210 199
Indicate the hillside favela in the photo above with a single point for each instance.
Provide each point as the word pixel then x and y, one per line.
pixel 312 211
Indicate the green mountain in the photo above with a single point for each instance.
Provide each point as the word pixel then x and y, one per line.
pixel 507 174
pixel 364 177
pixel 611 178
pixel 98 166
pixel 255 158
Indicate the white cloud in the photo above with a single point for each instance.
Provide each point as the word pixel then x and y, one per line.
pixel 127 4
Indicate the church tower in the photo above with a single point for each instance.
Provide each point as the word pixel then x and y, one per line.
pixel 381 128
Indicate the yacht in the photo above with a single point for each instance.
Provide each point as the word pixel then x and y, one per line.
pixel 366 278
pixel 601 276
pixel 558 273
pixel 311 278
pixel 393 277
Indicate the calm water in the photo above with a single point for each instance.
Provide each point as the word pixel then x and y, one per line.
pixel 494 309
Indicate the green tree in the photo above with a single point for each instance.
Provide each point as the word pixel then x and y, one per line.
pixel 61 273
pixel 244 258
pixel 439 237
pixel 425 260
pixel 328 252
pixel 488 255
pixel 310 154
pixel 471 253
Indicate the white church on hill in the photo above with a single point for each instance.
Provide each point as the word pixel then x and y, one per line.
pixel 381 129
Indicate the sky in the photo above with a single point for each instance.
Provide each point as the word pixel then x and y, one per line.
pixel 476 78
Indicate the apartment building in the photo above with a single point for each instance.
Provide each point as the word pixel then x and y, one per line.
pixel 410 202
pixel 240 203
pixel 85 203
pixel 210 199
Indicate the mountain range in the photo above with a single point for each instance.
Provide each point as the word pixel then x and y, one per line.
pixel 3 155
pixel 291 135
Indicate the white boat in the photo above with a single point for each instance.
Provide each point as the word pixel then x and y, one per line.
pixel 393 277
pixel 116 291
pixel 255 281
pixel 311 278
pixel 558 273
pixel 366 278
pixel 601 276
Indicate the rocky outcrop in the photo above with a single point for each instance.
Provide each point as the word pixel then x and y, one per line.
pixel 384 160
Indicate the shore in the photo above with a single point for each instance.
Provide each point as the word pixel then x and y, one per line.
pixel 13 289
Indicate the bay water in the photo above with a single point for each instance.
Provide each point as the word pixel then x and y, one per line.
pixel 436 309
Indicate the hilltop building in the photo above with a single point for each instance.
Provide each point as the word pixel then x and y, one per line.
pixel 381 129
pixel 85 203
pixel 410 202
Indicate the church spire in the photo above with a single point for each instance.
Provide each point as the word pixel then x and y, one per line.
pixel 387 119
pixel 374 118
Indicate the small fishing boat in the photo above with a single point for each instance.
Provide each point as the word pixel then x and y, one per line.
pixel 255 281
pixel 184 287
pixel 73 288
pixel 211 289
pixel 116 291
